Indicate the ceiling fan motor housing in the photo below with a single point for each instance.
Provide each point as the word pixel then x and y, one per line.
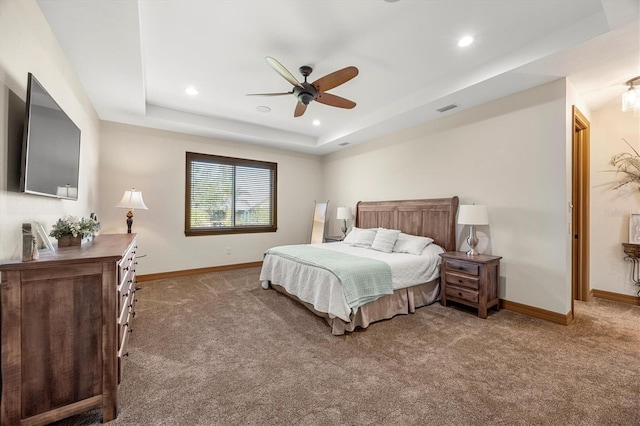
pixel 306 93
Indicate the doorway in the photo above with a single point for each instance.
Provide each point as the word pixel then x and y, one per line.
pixel 580 208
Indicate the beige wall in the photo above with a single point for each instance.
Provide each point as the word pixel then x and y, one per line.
pixel 511 155
pixel 28 45
pixel 153 161
pixel 610 210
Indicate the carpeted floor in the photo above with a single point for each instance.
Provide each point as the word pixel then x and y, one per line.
pixel 217 349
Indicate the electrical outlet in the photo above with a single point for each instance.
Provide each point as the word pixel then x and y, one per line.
pixel 228 250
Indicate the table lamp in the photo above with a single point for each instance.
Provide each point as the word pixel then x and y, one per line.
pixel 343 213
pixel 131 200
pixel 473 215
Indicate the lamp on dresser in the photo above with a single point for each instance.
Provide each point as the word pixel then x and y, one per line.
pixel 472 215
pixel 344 214
pixel 132 200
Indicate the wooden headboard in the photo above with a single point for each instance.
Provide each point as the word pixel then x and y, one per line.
pixel 434 218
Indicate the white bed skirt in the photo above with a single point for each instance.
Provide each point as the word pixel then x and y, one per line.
pixel 402 301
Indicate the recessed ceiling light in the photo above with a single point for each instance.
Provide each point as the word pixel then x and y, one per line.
pixel 191 91
pixel 465 41
pixel 316 122
pixel 263 108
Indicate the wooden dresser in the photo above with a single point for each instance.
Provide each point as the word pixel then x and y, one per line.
pixel 65 322
pixel 471 280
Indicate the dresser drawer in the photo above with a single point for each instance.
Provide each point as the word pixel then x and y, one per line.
pixel 126 332
pixel 128 258
pixel 462 293
pixel 125 306
pixel 126 278
pixel 126 267
pixel 462 280
pixel 461 266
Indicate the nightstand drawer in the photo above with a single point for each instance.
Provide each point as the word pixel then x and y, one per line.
pixel 462 280
pixel 462 293
pixel 460 266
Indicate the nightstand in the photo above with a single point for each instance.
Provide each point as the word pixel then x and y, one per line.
pixel 470 280
pixel 333 239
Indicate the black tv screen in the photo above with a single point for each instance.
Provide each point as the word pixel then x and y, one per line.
pixel 50 147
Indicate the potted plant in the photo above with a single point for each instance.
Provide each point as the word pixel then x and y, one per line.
pixel 70 230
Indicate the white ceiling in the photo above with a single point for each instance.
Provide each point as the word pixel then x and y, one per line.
pixel 135 59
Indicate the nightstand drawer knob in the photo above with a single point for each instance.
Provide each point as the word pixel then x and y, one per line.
pixel 460 281
pixel 459 294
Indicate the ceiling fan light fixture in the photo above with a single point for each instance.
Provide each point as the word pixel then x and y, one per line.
pixel 305 98
pixel 631 97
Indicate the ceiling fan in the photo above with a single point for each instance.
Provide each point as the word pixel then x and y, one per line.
pixel 316 91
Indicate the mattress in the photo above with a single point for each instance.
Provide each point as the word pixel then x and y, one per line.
pixel 324 291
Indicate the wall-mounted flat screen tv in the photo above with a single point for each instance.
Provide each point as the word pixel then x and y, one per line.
pixel 50 147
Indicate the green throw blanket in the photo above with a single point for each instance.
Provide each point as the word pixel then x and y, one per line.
pixel 364 280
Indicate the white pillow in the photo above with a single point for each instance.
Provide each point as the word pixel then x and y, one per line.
pixel 360 237
pixel 411 244
pixel 385 240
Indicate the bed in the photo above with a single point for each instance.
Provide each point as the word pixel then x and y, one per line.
pixel 322 292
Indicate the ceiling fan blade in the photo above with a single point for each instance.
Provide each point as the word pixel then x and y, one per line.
pixel 280 69
pixel 335 79
pixel 336 101
pixel 300 109
pixel 269 94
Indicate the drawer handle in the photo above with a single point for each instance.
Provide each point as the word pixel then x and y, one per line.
pixel 459 294
pixel 127 354
pixel 126 269
pixel 460 281
pixel 125 295
pixel 130 330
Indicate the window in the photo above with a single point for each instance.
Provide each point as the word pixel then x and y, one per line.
pixel 227 195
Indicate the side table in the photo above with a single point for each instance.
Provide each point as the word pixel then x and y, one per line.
pixel 470 280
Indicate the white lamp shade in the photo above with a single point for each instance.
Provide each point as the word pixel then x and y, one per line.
pixel 132 200
pixel 473 215
pixel 343 213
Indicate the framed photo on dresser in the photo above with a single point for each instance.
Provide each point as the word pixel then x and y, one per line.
pixel 41 236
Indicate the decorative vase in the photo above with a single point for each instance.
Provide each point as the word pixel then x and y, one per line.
pixel 69 241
